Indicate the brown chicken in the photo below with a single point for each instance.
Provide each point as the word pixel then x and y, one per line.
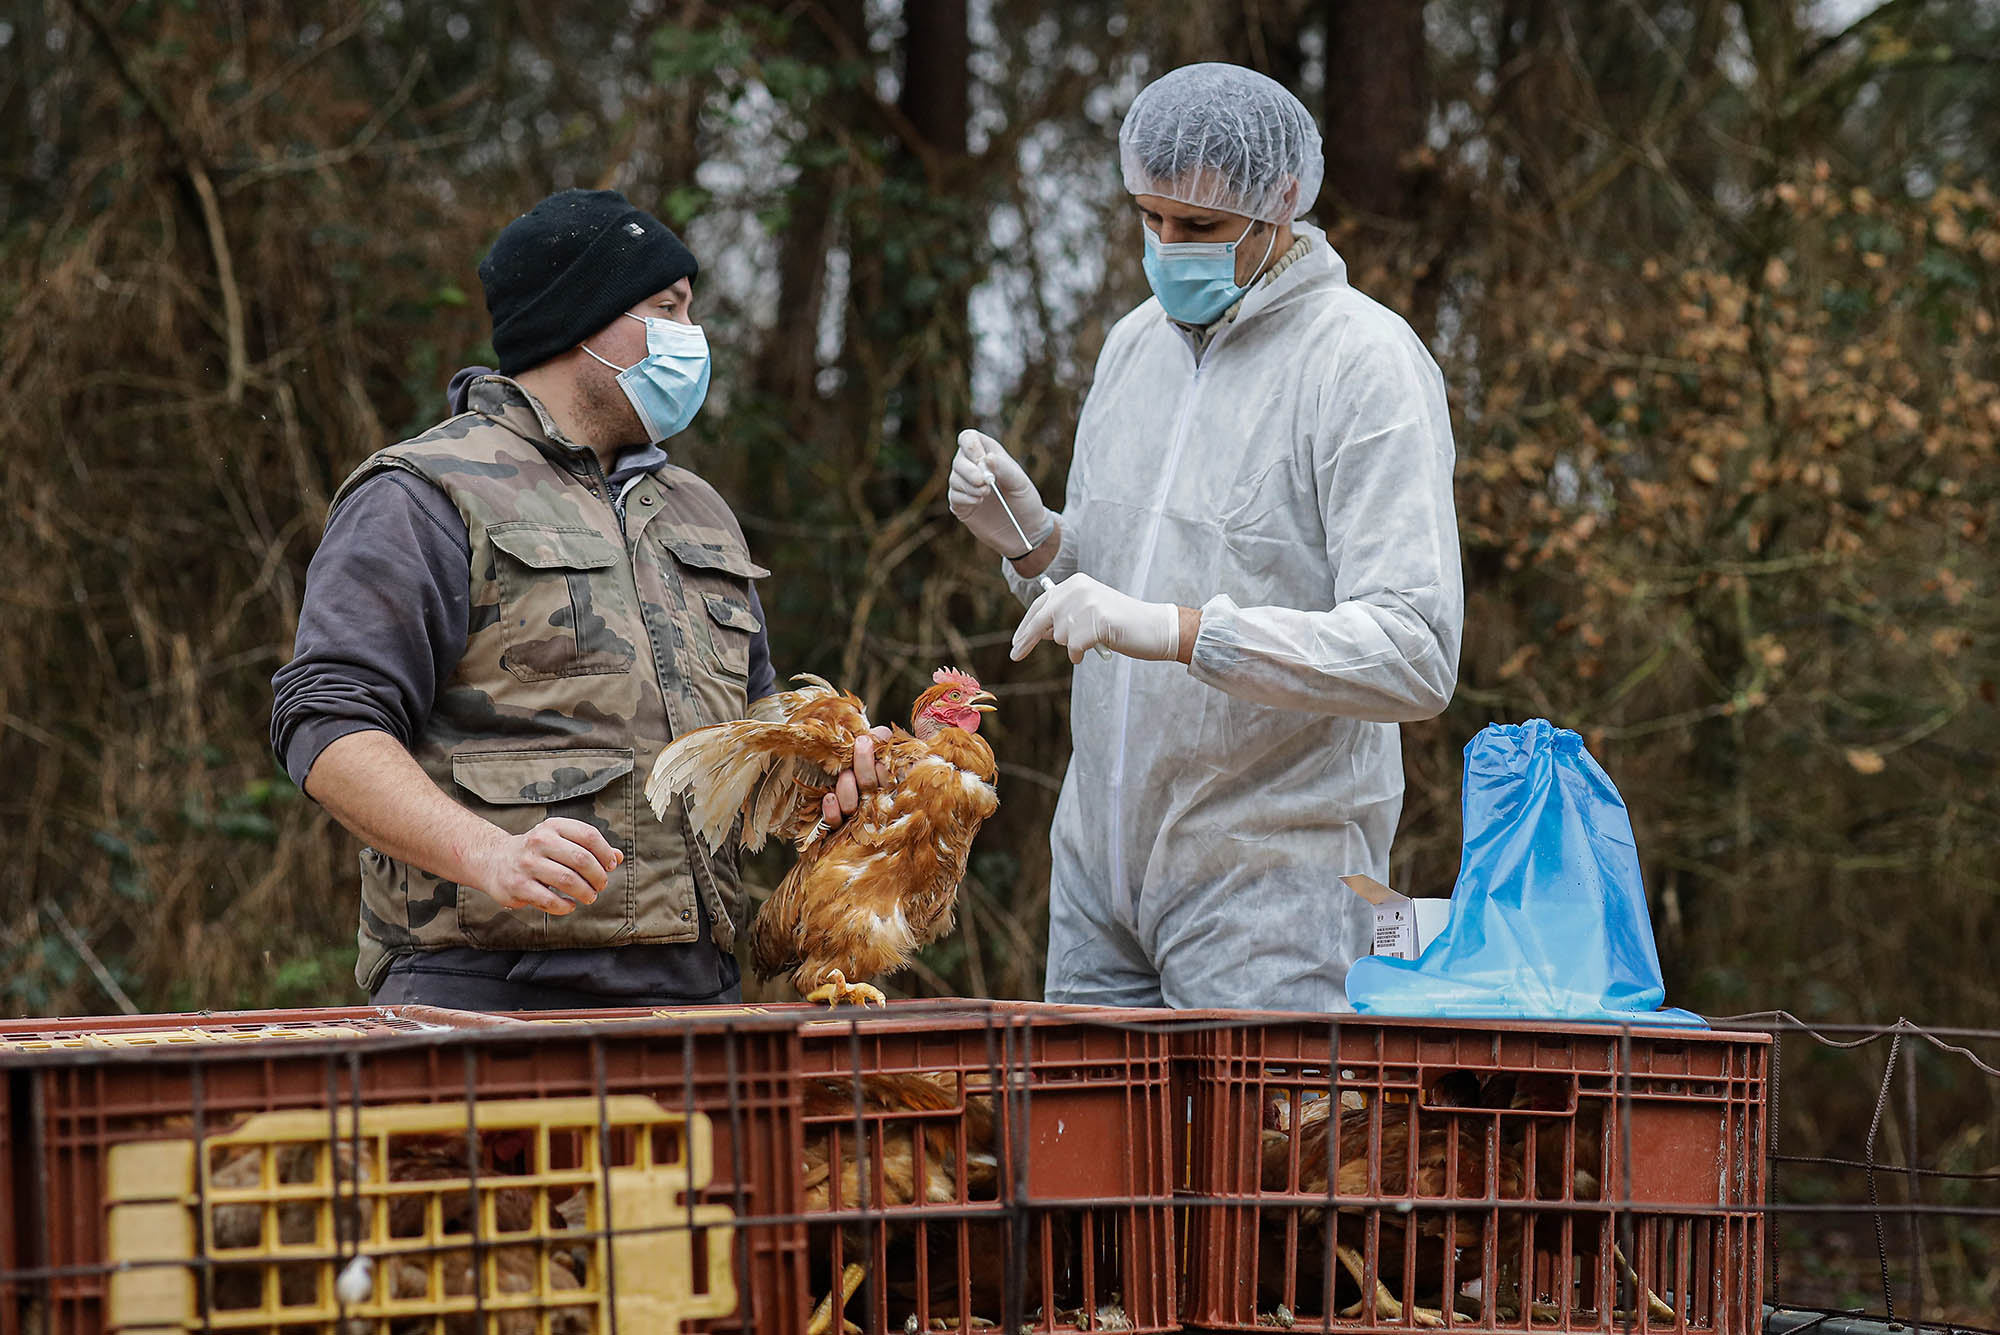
pixel 1555 1093
pixel 885 1170
pixel 1435 1136
pixel 829 1111
pixel 859 902
pixel 1437 1129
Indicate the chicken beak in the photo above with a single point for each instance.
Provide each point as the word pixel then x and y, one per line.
pixel 974 702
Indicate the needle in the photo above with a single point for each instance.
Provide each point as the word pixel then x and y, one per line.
pixel 1048 585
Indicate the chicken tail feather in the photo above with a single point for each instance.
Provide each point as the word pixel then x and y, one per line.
pixel 716 767
pixel 769 769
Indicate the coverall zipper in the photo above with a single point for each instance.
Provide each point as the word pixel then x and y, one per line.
pixel 1127 898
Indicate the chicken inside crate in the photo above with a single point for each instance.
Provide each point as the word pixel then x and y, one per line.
pixel 512 1218
pixel 971 1178
pixel 1481 1179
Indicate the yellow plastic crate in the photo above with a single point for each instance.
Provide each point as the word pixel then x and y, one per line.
pixel 550 1230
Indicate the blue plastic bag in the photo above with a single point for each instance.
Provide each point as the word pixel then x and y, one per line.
pixel 1548 920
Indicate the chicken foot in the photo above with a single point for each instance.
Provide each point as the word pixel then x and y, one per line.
pixel 1540 1311
pixel 1654 1306
pixel 1385 1301
pixel 822 1318
pixel 836 989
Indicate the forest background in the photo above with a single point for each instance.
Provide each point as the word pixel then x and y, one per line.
pixel 1713 284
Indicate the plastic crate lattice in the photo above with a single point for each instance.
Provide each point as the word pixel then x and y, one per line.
pixel 279 1210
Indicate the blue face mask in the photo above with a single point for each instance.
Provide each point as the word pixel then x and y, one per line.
pixel 1196 280
pixel 667 385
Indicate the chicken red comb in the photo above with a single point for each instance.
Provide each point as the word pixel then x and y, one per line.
pixel 950 676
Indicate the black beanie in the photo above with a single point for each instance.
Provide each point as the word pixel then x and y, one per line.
pixel 570 266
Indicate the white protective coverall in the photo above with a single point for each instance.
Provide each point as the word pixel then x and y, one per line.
pixel 1295 484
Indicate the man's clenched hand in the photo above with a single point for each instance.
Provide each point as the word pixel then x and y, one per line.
pixel 553 867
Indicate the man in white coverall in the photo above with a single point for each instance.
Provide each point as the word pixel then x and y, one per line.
pixel 1259 528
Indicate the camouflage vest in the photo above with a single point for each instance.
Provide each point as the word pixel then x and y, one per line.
pixel 590 645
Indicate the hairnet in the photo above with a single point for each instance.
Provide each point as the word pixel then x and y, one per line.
pixel 1222 137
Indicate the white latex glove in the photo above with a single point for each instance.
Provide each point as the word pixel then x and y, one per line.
pixel 979 469
pixel 1080 613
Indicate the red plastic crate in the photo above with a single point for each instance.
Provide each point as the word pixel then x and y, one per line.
pixel 1064 1220
pixel 19 1215
pixel 1044 1192
pixel 694 1122
pixel 1548 1156
pixel 217 1028
pixel 13 1157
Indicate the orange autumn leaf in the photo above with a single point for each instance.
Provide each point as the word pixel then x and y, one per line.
pixel 1865 760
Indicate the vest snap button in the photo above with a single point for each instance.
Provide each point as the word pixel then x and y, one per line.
pixel 645 500
pixel 686 914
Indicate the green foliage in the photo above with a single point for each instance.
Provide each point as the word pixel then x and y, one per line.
pixel 127 875
pixel 37 973
pixel 699 53
pixel 247 813
pixel 305 979
pixel 794 82
pixel 685 203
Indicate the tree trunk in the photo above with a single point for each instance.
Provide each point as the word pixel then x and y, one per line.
pixel 936 48
pixel 789 367
pixel 1376 109
pixel 933 283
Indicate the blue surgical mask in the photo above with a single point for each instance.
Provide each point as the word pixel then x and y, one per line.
pixel 667 385
pixel 1196 280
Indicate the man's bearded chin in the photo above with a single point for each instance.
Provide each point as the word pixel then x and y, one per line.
pixel 607 414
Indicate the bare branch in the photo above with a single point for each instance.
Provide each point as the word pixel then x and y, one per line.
pixel 354 147
pixel 83 951
pixel 204 190
pixel 1880 14
pixel 892 115
pixel 1851 80
pixel 327 44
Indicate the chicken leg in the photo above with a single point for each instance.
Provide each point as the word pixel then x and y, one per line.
pixel 1385 1302
pixel 1655 1307
pixel 822 1317
pixel 836 989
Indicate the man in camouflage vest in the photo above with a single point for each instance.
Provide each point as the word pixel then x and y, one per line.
pixel 508 618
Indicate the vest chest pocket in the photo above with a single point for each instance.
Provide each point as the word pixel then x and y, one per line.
pixel 717 583
pixel 563 610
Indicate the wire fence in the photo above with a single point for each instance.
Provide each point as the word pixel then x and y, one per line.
pixel 957 1166
pixel 1900 1094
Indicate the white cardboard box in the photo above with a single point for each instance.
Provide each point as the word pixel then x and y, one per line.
pixel 1403 926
